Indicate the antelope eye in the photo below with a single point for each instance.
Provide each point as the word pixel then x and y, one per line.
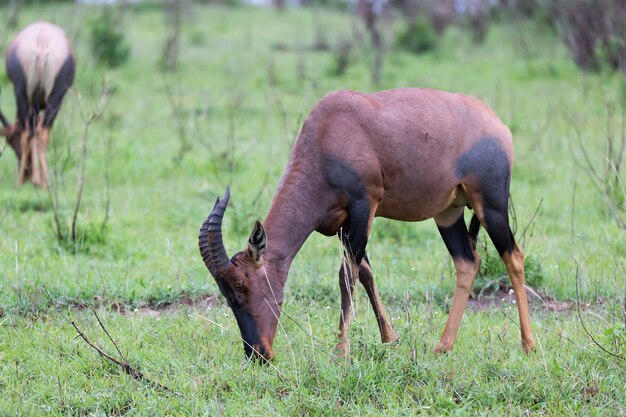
pixel 238 284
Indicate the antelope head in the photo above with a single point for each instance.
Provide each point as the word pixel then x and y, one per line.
pixel 245 282
pixel 12 132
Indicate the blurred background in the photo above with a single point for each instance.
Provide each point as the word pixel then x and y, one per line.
pixel 174 100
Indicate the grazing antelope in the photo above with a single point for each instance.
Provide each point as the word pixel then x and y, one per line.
pixel 12 135
pixel 405 154
pixel 40 64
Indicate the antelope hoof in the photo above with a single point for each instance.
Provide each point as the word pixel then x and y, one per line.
pixel 35 179
pixel 443 348
pixel 528 346
pixel 342 350
pixel 390 338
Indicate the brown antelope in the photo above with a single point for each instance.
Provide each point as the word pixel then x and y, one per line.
pixel 40 64
pixel 406 154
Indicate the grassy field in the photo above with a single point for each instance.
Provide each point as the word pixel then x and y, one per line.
pixel 168 144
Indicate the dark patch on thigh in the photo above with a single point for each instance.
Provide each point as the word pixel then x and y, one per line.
pixel 355 230
pixel 65 76
pixel 349 185
pixel 487 162
pixel 343 178
pixel 15 71
pixel 457 240
pixel 63 81
pixel 18 78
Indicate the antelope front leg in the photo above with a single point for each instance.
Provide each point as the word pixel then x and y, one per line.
pixel 347 279
pixel 465 274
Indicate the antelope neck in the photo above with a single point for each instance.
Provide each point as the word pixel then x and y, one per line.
pixel 288 224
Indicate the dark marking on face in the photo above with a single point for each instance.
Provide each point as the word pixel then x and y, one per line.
pixel 457 240
pixel 247 326
pixel 348 182
pixel 63 81
pixel 488 163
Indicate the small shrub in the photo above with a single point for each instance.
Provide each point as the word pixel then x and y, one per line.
pixel 593 31
pixel 614 337
pixel 418 37
pixel 107 41
pixel 89 237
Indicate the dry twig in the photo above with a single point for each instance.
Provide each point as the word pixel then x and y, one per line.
pixel 87 121
pixel 582 322
pixel 123 362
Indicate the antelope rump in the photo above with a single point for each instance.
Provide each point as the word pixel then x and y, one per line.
pixel 41 66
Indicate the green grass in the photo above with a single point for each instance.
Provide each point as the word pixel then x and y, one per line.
pixel 242 104
pixel 47 371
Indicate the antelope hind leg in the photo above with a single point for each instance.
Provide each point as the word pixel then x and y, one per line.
pixel 347 279
pixel 366 277
pixel 466 263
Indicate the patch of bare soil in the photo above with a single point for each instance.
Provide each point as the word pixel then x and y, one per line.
pixel 505 295
pixel 502 296
pixel 156 309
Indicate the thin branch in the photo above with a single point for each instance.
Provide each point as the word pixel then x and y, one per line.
pixel 128 369
pixel 588 167
pixel 107 333
pixel 573 207
pixel 530 222
pixel 107 179
pixel 606 179
pixel 87 121
pixel 174 98
pixel 6 213
pixel 512 215
pixel 582 322
pixel 53 193
pixel 90 343
pixel 562 336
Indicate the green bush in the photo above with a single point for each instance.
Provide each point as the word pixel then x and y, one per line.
pixel 107 41
pixel 418 37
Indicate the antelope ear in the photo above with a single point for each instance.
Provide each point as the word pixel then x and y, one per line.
pixel 257 242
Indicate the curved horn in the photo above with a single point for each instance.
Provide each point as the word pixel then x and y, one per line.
pixel 210 238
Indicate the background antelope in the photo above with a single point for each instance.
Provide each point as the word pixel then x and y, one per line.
pixel 41 66
pixel 405 154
